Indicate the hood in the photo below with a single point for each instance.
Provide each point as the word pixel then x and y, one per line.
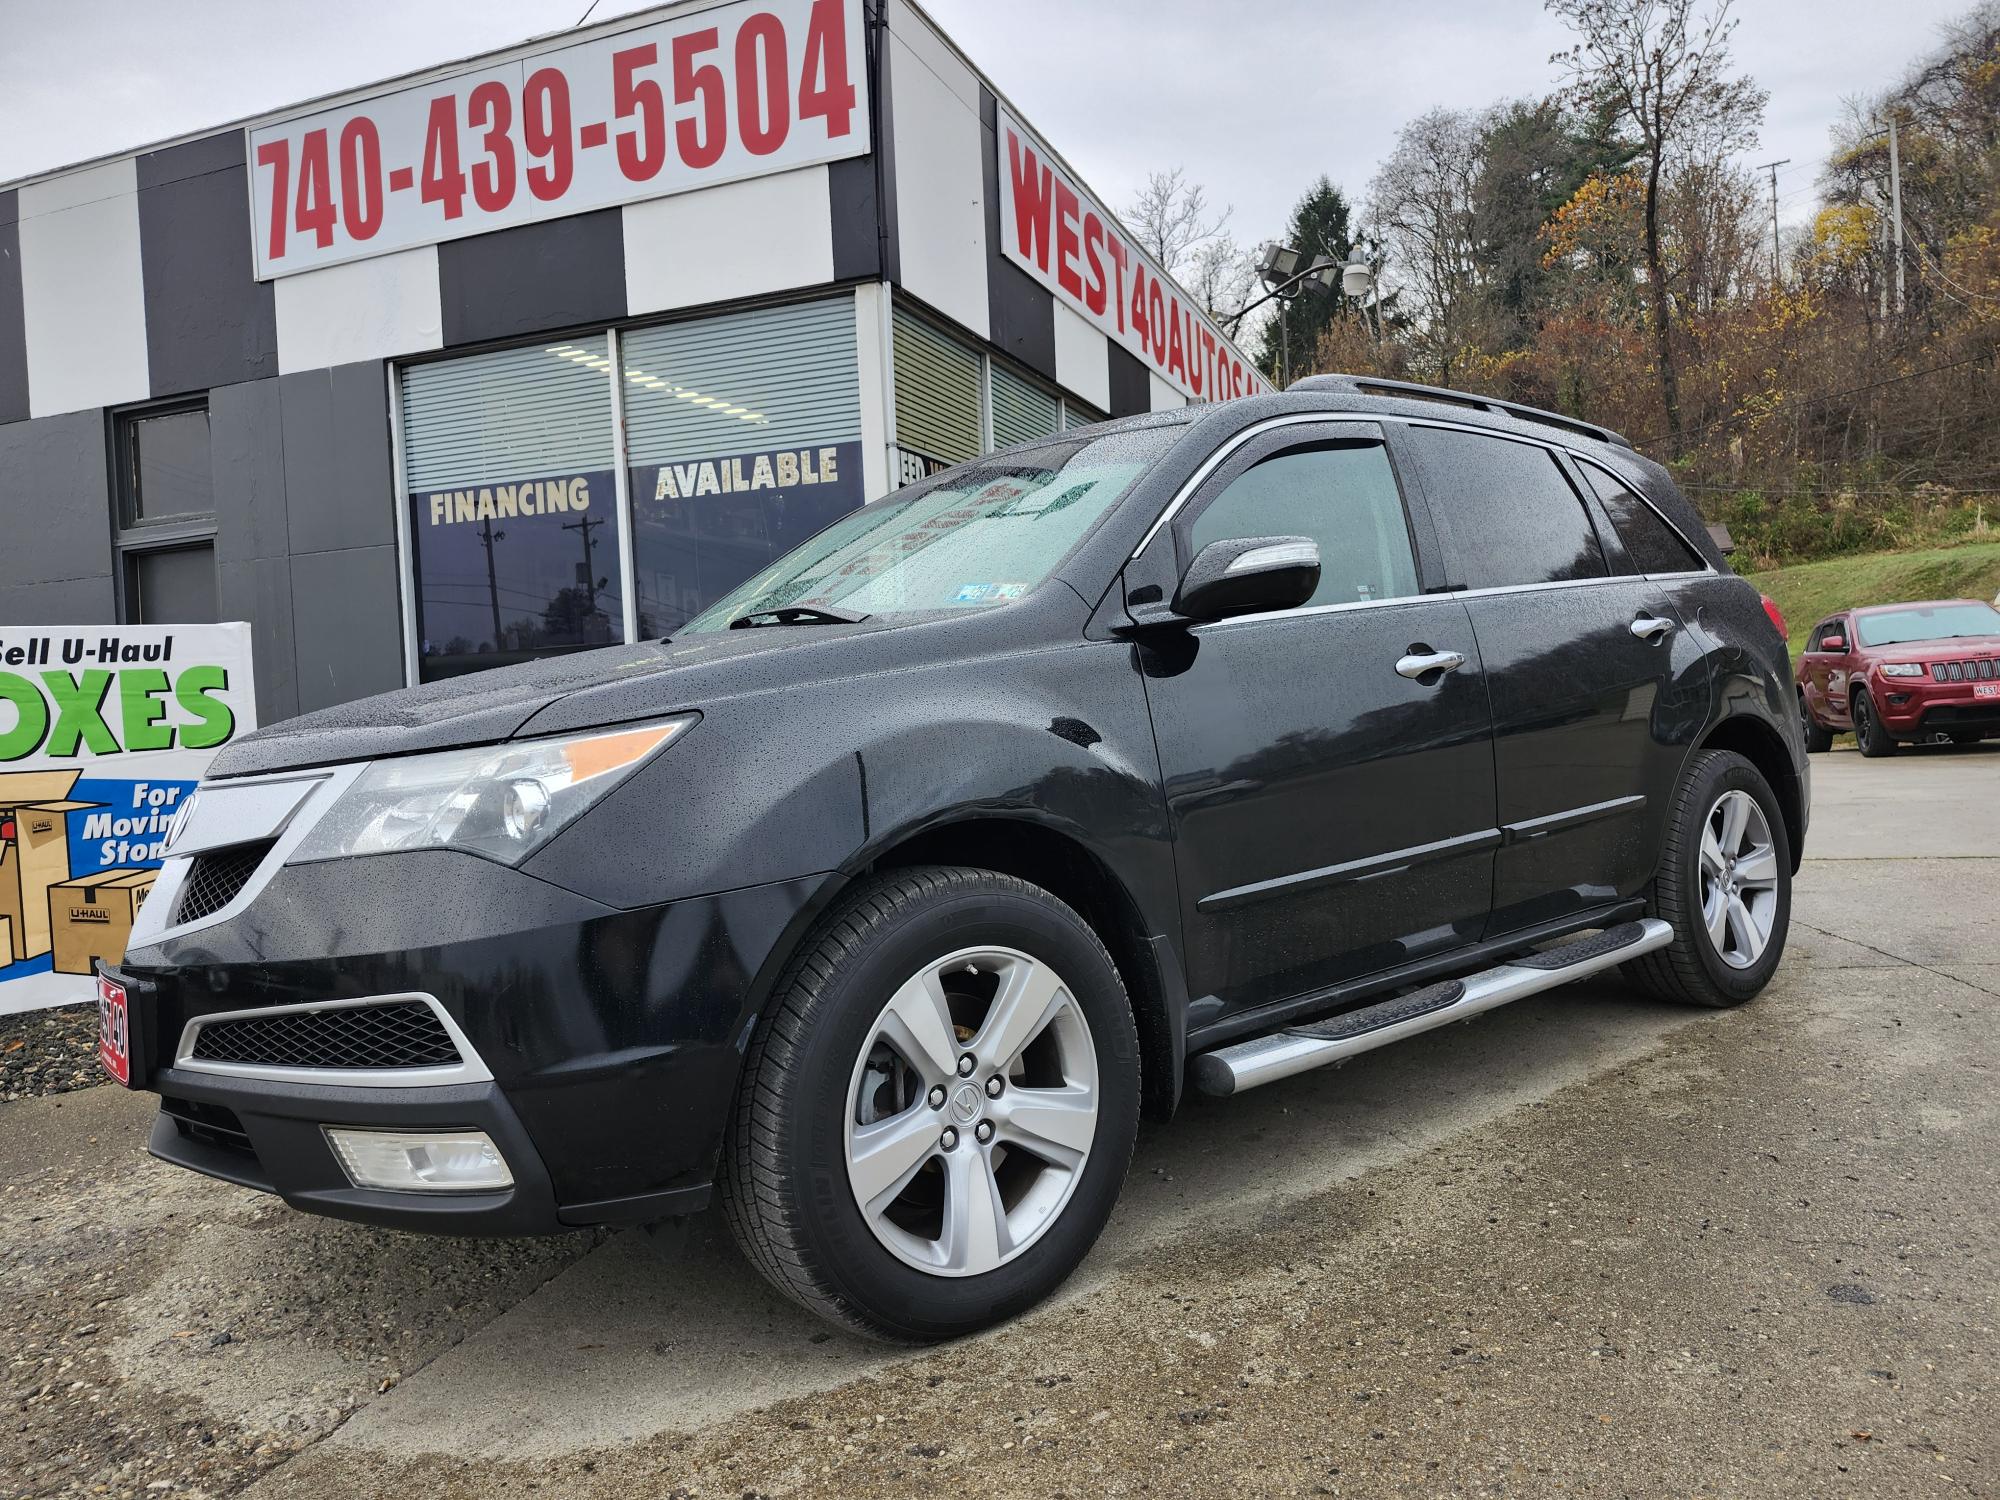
pixel 618 684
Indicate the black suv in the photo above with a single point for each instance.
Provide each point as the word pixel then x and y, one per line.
pixel 1204 747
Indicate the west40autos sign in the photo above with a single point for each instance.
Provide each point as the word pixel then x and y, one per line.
pixel 104 730
pixel 712 96
pixel 1062 237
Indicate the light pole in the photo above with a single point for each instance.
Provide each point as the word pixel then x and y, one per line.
pixel 1279 270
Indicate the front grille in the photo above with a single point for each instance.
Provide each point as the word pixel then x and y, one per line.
pixel 399 1034
pixel 214 880
pixel 1985 670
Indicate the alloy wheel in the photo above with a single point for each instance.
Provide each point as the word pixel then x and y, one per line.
pixel 971 1111
pixel 1739 879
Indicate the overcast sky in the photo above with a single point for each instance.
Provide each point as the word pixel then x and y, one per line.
pixel 1254 100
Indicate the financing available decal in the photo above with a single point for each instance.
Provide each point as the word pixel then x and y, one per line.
pixel 104 731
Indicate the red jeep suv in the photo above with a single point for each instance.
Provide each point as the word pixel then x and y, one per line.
pixel 1895 672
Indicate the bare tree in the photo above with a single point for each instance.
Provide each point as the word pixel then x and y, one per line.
pixel 1422 204
pixel 1664 66
pixel 1174 223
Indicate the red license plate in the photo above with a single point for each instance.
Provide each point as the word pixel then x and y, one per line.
pixel 1986 690
pixel 114 1031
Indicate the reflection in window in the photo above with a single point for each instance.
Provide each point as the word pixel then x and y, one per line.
pixel 744 439
pixel 512 505
pixel 1344 497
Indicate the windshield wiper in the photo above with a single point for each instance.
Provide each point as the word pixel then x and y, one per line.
pixel 797 614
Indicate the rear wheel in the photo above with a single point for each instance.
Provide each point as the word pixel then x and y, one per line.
pixel 1874 740
pixel 1724 884
pixel 1819 739
pixel 940 1106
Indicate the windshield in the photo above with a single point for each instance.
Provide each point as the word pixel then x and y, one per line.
pixel 1939 622
pixel 978 535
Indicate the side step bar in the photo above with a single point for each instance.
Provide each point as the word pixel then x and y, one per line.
pixel 1265 1059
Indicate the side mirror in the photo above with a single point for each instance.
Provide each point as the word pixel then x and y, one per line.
pixel 1834 643
pixel 1247 575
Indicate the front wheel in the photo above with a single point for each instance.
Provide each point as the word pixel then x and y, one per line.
pixel 1874 740
pixel 1724 884
pixel 939 1107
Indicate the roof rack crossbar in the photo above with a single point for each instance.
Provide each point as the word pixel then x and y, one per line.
pixel 1370 385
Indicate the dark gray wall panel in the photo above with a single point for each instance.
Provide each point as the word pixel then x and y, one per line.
pixel 260 590
pixel 883 102
pixel 13 328
pixel 534 277
pixel 857 219
pixel 1020 311
pixel 55 494
pixel 346 616
pixel 338 491
pixel 246 448
pixel 1131 389
pixel 68 601
pixel 208 322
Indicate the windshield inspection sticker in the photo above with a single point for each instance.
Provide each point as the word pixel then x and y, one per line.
pixel 988 593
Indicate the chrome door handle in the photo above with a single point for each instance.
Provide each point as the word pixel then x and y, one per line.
pixel 1651 629
pixel 1417 665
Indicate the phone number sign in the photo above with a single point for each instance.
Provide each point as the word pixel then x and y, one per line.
pixel 715 96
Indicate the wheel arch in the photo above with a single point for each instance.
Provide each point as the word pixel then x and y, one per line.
pixel 1068 869
pixel 1760 744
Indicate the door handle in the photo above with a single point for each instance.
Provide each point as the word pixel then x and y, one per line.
pixel 1650 628
pixel 1418 663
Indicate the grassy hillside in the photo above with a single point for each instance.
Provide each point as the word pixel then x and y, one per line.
pixel 1809 592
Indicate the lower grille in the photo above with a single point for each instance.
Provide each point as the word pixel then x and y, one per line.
pixel 396 1034
pixel 210 1124
pixel 214 880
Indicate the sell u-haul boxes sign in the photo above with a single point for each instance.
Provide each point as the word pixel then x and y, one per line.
pixel 711 96
pixel 1062 237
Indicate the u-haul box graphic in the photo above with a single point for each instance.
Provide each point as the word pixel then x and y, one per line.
pixel 104 730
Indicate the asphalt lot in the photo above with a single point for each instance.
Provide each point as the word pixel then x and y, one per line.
pixel 1586 1245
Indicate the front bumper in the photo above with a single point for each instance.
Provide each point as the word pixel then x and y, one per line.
pixel 609 1042
pixel 1915 708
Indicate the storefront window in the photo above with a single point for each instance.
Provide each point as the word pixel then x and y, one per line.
pixel 938 393
pixel 513 506
pixel 743 437
pixel 1021 411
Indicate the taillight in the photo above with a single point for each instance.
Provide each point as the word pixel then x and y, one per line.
pixel 1777 616
pixel 6 830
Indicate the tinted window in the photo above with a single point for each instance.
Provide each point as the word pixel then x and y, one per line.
pixel 1653 545
pixel 1510 513
pixel 1344 497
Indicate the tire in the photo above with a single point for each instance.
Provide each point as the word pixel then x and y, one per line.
pixel 1819 739
pixel 824 1070
pixel 1693 969
pixel 1874 740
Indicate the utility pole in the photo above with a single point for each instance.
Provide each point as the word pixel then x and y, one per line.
pixel 1777 255
pixel 1896 208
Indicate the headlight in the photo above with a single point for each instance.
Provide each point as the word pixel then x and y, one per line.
pixel 1902 669
pixel 502 801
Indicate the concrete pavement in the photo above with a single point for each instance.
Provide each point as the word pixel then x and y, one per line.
pixel 1589 1244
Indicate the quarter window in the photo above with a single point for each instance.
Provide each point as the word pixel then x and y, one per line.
pixel 1344 496
pixel 1511 515
pixel 1653 545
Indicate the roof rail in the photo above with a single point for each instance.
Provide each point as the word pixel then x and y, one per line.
pixel 1370 385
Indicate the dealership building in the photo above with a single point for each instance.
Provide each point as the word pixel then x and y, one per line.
pixel 550 347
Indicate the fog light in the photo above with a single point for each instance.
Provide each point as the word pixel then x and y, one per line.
pixel 420 1161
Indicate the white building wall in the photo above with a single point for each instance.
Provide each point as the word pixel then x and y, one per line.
pixel 364 309
pixel 940 171
pixel 1165 397
pixel 1083 365
pixel 741 239
pixel 83 292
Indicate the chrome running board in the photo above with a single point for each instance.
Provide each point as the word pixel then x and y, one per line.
pixel 1265 1059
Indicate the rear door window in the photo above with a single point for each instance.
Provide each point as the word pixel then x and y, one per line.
pixel 1653 545
pixel 1341 494
pixel 1510 513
